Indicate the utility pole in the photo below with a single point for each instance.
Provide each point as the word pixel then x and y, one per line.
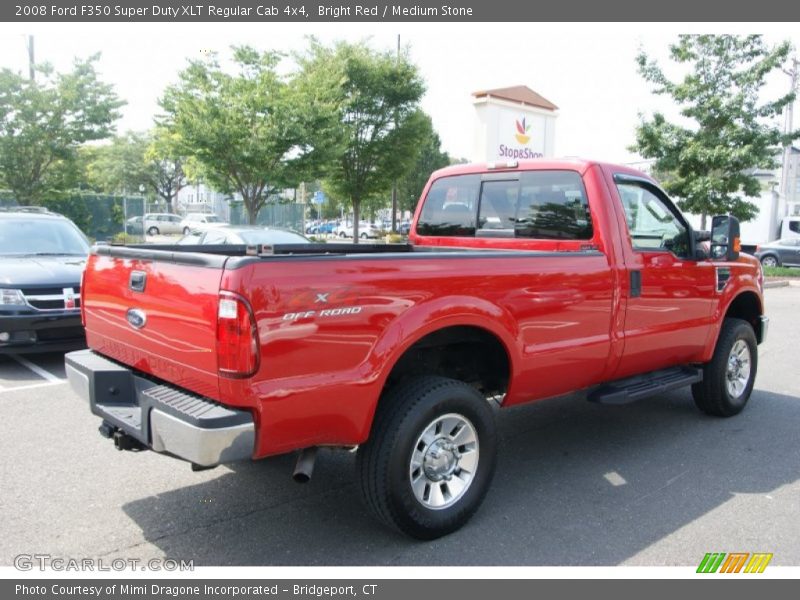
pixel 792 72
pixel 31 61
pixel 394 185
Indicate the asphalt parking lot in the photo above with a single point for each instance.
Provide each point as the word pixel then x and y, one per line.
pixel 653 483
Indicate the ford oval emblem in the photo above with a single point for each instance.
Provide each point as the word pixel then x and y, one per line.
pixel 137 318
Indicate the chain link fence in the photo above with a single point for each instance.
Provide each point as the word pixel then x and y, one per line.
pixel 286 216
pixel 101 217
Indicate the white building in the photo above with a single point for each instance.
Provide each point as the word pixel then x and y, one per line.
pixel 199 198
pixel 513 123
pixel 793 183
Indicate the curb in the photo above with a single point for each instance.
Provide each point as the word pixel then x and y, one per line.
pixel 776 284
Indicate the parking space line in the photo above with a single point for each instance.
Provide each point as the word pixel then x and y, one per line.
pixel 32 385
pixel 44 374
pixel 615 478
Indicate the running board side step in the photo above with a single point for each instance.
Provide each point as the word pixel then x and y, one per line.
pixel 635 388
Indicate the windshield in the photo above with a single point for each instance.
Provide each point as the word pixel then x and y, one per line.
pixel 213 219
pixel 41 236
pixel 271 237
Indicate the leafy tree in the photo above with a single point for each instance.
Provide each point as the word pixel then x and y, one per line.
pixel 381 124
pixel 429 158
pixel 253 132
pixel 165 174
pixel 43 122
pixel 137 159
pixel 729 130
pixel 117 167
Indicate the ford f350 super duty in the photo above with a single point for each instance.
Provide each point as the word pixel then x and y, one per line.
pixel 521 281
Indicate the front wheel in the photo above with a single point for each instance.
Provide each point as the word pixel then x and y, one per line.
pixel 430 458
pixel 728 379
pixel 363 236
pixel 152 231
pixel 769 261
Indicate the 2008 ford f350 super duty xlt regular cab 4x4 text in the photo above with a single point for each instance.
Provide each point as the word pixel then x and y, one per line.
pixel 521 282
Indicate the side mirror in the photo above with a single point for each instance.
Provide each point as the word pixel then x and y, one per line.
pixel 725 241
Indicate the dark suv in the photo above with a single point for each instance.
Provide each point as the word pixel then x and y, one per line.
pixel 42 255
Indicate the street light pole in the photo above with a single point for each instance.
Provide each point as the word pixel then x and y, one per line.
pixel 394 185
pixel 788 125
pixel 31 60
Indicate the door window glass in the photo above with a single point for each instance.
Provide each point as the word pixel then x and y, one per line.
pixel 651 222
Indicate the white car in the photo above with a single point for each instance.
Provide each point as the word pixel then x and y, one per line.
pixel 365 230
pixel 161 223
pixel 200 222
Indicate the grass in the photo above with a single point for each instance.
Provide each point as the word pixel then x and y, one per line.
pixel 781 272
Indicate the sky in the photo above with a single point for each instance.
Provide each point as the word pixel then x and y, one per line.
pixel 586 69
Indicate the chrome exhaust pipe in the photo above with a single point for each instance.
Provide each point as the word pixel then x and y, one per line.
pixel 304 467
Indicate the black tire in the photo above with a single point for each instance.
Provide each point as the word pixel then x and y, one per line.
pixel 186 231
pixel 384 462
pixel 153 230
pixel 342 235
pixel 770 260
pixel 363 236
pixel 713 395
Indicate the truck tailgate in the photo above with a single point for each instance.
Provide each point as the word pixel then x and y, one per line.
pixel 156 316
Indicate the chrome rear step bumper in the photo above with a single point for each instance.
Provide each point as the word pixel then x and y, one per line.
pixel 159 416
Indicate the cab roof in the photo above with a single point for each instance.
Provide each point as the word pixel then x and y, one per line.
pixel 580 165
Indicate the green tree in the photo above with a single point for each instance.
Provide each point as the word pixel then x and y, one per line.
pixel 253 132
pixel 429 158
pixel 134 160
pixel 729 129
pixel 117 167
pixel 44 121
pixel 381 124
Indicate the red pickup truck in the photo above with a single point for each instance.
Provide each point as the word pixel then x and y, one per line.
pixel 521 281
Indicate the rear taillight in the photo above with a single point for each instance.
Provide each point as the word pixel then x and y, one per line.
pixel 237 337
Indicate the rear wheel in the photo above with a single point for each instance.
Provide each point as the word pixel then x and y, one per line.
pixel 430 458
pixel 728 379
pixel 363 236
pixel 186 231
pixel 770 261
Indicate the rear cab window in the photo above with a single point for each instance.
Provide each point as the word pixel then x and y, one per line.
pixel 545 205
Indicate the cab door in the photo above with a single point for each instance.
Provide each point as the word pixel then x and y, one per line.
pixel 670 293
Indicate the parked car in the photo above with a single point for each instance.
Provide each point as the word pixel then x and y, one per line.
pixel 134 226
pixel 243 234
pixel 780 253
pixel 365 231
pixel 253 235
pixel 162 223
pixel 42 256
pixel 522 281
pixel 327 228
pixel 324 228
pixel 200 221
pixel 190 239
